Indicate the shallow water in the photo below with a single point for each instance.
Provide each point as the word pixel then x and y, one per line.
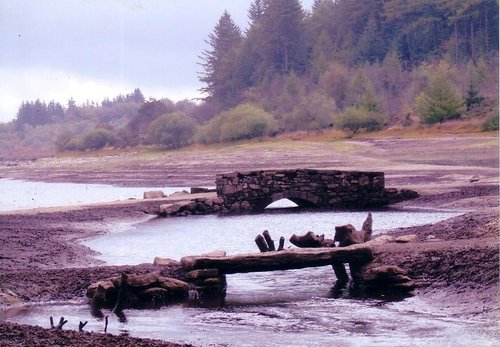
pixel 17 194
pixel 177 237
pixel 281 308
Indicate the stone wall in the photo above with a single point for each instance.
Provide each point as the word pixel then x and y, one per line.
pixel 255 190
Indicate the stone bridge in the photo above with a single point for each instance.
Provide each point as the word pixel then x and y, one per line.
pixel 255 190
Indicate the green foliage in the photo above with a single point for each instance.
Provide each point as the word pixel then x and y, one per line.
pixel 219 61
pixel 440 101
pixel 355 119
pixel 315 112
pixel 491 123
pixel 472 97
pixel 172 130
pixel 97 139
pixel 361 93
pixel 335 82
pixel 245 121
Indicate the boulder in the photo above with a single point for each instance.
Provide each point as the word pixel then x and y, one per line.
pixel 171 209
pixel 107 285
pixel 387 279
pixel 164 261
pixel 188 206
pixel 380 240
pixel 155 194
pixel 407 238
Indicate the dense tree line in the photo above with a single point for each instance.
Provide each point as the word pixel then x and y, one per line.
pixel 349 60
pixel 354 65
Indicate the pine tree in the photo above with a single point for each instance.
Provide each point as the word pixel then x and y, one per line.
pixel 219 61
pixel 283 48
pixel 256 10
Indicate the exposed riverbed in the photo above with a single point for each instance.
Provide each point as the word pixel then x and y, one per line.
pixel 293 308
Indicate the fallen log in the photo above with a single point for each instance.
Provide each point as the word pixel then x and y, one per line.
pixel 310 239
pixel 282 260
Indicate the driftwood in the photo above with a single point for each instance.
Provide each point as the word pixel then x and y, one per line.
pixel 260 241
pixel 310 239
pixel 347 235
pixel 265 243
pixel 281 244
pixel 106 324
pixel 122 294
pixel 82 325
pixel 60 325
pixel 283 260
pixel 269 241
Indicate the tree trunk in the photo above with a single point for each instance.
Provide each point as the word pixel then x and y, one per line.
pixel 282 260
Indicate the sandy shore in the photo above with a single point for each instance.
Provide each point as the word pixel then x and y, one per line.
pixel 41 260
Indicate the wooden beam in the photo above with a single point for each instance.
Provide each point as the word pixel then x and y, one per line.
pixel 296 258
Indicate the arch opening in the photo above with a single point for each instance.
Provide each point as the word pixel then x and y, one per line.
pixel 282 203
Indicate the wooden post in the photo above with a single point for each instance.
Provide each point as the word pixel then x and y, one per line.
pixel 261 243
pixel 269 240
pixel 122 294
pixel 341 274
pixel 82 325
pixel 282 244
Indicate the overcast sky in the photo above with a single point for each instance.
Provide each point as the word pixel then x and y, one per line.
pixel 92 49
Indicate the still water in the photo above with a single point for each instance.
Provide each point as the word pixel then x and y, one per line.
pixel 18 195
pixel 282 308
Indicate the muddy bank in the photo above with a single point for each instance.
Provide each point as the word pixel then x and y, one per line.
pixel 41 260
pixel 24 335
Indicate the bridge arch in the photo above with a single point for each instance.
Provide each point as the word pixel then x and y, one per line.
pixel 255 190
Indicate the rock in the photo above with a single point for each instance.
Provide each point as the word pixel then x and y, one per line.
pixel 432 238
pixel 204 273
pixel 155 294
pixel 474 178
pixel 143 280
pixel 380 240
pixel 197 190
pixel 107 285
pixel 387 279
pixel 179 193
pixel 188 206
pixel 178 289
pixel 155 194
pixel 235 207
pixel 8 297
pixel 406 238
pixel 171 209
pixel 164 261
pixel 245 206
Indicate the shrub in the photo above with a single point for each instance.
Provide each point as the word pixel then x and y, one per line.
pixel 245 121
pixel 440 101
pixel 172 130
pixel 96 139
pixel 355 119
pixel 314 113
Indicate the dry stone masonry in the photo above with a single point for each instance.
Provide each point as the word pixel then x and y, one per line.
pixel 255 190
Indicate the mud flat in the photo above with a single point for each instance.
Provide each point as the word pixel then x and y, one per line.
pixel 455 265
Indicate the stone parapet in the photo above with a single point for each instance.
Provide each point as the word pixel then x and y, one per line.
pixel 255 190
